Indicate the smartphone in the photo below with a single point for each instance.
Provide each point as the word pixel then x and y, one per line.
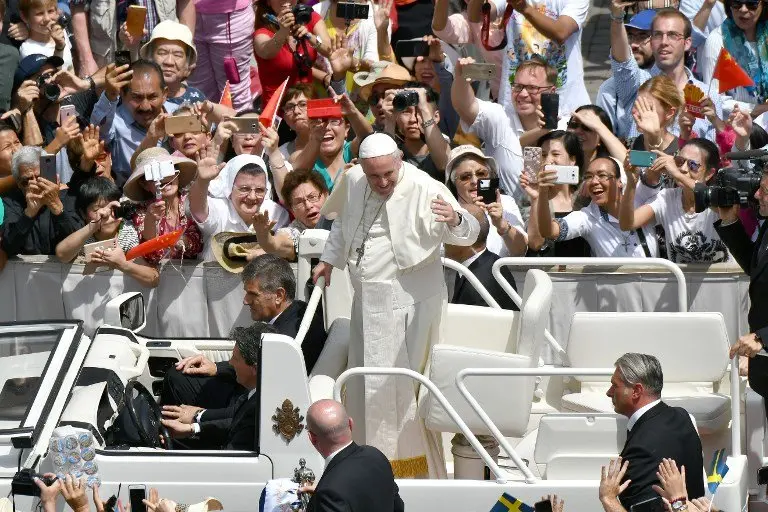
pixel 135 20
pixel 531 162
pixel 246 124
pixel 480 71
pixel 89 249
pixel 48 167
pixel 543 506
pixel 641 158
pixel 652 505
pixel 65 112
pixel 550 105
pixel 183 124
pixel 417 48
pixel 137 493
pixel 486 189
pixel 122 58
pixel 352 11
pixel 566 174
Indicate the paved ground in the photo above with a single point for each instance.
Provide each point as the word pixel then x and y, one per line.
pixel 595 43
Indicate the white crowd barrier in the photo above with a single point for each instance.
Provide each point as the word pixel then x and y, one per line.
pixel 203 300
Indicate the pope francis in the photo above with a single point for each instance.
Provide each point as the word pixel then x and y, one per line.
pixel 391 219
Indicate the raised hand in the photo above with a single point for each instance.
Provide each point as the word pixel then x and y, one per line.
pixel 155 211
pixel 444 212
pixel 646 117
pixel 381 14
pixel 435 49
pixel 224 132
pixel 262 226
pixel 73 491
pixel 33 195
pixel 197 365
pixel 685 120
pixel 269 139
pixel 588 118
pixel 129 41
pixel 286 18
pixel 49 195
pixel 68 131
pixel 18 31
pixel 341 56
pixel 27 94
pixel 460 67
pixel 116 79
pixel 92 146
pixel 496 212
pixel 741 122
pixel 156 130
pixel 70 83
pixel 58 35
pixel 618 7
pixel 48 493
pixel 672 481
pixel 530 188
pixel 208 167
pixel 610 480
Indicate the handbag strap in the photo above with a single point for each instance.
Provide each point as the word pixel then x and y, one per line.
pixel 486 26
pixel 643 242
pixel 229 33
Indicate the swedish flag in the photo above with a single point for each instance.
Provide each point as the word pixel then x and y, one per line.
pixel 509 503
pixel 718 470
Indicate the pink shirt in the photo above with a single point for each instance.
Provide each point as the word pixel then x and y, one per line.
pixel 220 6
pixel 459 30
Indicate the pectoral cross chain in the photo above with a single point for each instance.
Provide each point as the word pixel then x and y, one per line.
pixel 360 251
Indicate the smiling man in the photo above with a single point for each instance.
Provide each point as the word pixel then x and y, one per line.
pixel 597 223
pixel 391 221
pixel 123 128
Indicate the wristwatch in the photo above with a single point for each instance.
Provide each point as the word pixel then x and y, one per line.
pixel 679 505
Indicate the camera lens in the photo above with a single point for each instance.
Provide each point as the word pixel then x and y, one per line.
pixel 405 99
pixel 51 92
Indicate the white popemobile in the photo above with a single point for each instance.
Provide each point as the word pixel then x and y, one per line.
pixel 553 424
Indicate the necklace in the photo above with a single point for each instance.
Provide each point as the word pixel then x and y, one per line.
pixel 361 250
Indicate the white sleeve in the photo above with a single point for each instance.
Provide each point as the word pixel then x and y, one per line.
pixel 576 10
pixel 708 53
pixel 573 225
pixel 659 206
pixel 512 214
pixel 370 44
pixel 491 124
pixel 217 214
pixel 333 252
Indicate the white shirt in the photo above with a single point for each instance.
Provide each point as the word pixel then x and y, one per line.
pixel 222 216
pixel 472 258
pixel 524 41
pixel 604 235
pixel 30 47
pixel 511 213
pixel 499 133
pixel 716 17
pixel 638 413
pixel 690 237
pixel 332 455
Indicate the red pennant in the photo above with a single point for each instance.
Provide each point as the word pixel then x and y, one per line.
pixel 267 116
pixel 226 96
pixel 730 74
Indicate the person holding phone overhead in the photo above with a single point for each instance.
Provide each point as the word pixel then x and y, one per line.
pixel 35 219
pixel 553 29
pixel 466 169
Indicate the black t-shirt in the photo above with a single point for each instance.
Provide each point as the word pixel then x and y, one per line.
pixel 674 146
pixel 573 248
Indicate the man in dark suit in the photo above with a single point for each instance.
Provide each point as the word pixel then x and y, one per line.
pixel 480 261
pixel 655 430
pixel 356 478
pixel 233 427
pixel 753 259
pixel 269 286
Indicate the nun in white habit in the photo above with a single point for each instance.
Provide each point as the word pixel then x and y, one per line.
pixel 391 219
pixel 227 199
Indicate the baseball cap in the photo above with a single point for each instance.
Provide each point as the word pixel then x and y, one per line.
pixel 642 20
pixel 31 64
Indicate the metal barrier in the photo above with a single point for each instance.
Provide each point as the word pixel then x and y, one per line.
pixel 309 313
pixel 405 372
pixel 473 280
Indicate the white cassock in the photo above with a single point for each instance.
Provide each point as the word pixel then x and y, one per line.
pixel 398 304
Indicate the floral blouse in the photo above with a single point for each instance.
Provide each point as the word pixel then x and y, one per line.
pixel 189 245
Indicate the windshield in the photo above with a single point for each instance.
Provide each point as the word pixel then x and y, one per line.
pixel 23 359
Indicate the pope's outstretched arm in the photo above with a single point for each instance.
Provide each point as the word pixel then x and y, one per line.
pixel 462 227
pixel 333 253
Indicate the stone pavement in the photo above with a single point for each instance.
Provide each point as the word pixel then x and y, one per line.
pixel 595 45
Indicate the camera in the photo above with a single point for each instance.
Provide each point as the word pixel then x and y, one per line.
pixel 730 186
pixel 23 483
pixel 302 14
pixel 50 91
pixel 121 212
pixel 405 99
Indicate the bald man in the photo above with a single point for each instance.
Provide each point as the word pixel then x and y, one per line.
pixel 356 478
pixel 391 219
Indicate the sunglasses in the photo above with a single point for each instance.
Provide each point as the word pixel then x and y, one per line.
pixel 575 125
pixel 752 6
pixel 693 165
pixel 374 98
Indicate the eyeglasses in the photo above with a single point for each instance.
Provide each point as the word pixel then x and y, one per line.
pixel 532 89
pixel 638 37
pixel 480 174
pixel 301 203
pixel 246 191
pixel 658 35
pixel 752 6
pixel 575 125
pixel 330 121
pixel 290 107
pixel 693 165
pixel 374 98
pixel 602 177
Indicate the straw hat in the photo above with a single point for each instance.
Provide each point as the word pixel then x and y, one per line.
pixel 210 504
pixel 460 152
pixel 135 192
pixel 172 31
pixel 394 75
pixel 230 248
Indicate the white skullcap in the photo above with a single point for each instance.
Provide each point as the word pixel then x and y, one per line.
pixel 377 144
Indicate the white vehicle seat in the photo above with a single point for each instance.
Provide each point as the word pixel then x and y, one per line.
pixel 574 446
pixel 335 354
pixel 692 349
pixel 521 351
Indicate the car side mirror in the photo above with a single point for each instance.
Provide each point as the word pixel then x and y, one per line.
pixel 126 311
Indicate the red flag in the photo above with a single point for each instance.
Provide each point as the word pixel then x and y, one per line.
pixel 267 116
pixel 226 96
pixel 730 74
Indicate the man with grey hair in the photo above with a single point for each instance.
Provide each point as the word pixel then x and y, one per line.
pixel 390 221
pixel 35 220
pixel 233 427
pixel 355 477
pixel 269 286
pixel 655 430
